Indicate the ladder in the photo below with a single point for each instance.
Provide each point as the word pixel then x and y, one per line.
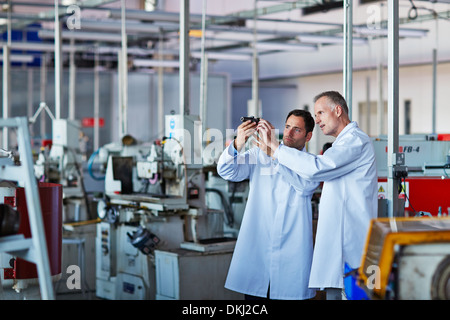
pixel 32 249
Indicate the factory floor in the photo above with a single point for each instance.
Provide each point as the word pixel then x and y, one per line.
pixel 77 296
pixel 90 295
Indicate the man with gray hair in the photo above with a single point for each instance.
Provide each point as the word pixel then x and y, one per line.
pixel 349 195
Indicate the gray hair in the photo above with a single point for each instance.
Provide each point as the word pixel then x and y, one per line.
pixel 334 99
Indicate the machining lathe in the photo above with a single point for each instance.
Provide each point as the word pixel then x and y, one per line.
pixel 155 210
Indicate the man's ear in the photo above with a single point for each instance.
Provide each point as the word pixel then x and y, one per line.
pixel 308 136
pixel 338 110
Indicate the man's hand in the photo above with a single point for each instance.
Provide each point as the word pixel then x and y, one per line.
pixel 267 140
pixel 244 131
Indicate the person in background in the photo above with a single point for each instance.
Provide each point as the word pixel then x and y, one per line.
pixel 326 146
pixel 349 195
pixel 273 252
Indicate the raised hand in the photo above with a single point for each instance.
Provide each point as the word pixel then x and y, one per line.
pixel 266 140
pixel 244 131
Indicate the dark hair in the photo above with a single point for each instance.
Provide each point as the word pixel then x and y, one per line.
pixel 335 98
pixel 307 117
pixel 326 146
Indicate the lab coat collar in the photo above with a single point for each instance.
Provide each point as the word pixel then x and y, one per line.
pixel 275 154
pixel 348 127
pixel 304 147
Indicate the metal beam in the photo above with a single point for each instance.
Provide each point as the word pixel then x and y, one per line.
pixel 7 79
pixel 212 19
pixel 203 72
pixel 58 63
pixel 184 57
pixel 256 12
pixel 393 103
pixel 253 109
pixel 6 92
pixel 50 15
pixel 348 55
pixel 123 77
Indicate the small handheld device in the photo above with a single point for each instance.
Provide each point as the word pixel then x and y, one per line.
pixel 252 118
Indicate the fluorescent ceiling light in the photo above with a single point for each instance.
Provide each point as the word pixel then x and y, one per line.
pixel 117 25
pixel 403 32
pixel 412 33
pixel 154 15
pixel 156 63
pixel 80 35
pixel 322 39
pixel 68 2
pixel 222 56
pixel 238 36
pixel 48 47
pixel 285 46
pixel 24 58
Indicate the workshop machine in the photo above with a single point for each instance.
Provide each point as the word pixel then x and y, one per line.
pixel 426 182
pixel 407 258
pixel 155 204
pixel 60 161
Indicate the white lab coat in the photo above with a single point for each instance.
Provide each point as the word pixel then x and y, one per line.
pixel 348 201
pixel 274 244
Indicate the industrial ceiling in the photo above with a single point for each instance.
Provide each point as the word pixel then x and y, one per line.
pixel 94 26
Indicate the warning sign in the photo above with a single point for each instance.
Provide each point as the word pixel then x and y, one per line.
pixel 382 192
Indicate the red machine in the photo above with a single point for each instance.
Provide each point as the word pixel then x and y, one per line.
pixel 51 204
pixel 427 187
pixel 427 194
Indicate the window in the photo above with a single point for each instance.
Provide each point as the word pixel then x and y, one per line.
pixel 407 116
pixel 368 120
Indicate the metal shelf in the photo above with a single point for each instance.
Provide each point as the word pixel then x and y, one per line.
pixel 32 249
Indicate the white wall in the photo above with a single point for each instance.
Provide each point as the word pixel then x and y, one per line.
pixel 415 84
pixel 143 102
pixel 329 58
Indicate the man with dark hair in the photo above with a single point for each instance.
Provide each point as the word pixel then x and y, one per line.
pixel 307 117
pixel 273 253
pixel 349 195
